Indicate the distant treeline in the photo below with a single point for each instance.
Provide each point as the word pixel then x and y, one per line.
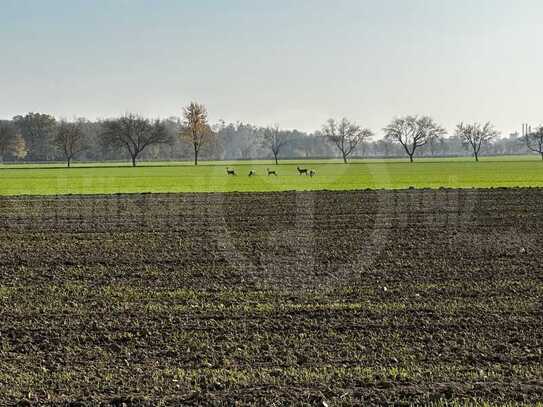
pixel 38 137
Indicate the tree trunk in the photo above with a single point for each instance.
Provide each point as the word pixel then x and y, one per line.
pixel 133 161
pixel 276 161
pixel 344 159
pixel 541 155
pixel 476 156
pixel 69 162
pixel 409 152
pixel 195 157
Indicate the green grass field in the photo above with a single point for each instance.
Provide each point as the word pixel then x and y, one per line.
pixel 36 179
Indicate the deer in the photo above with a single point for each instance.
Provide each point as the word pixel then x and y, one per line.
pixel 301 171
pixel 312 173
pixel 230 171
pixel 271 172
pixel 252 173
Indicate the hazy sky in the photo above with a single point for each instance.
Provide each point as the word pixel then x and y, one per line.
pixel 291 62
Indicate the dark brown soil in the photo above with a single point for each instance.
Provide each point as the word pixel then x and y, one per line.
pixel 369 297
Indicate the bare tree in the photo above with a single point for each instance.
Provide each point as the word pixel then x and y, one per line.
pixel 413 132
pixel 345 135
pixel 196 129
pixel 534 141
pixel 135 134
pixel 7 138
pixel 69 139
pixel 275 139
pixel 476 135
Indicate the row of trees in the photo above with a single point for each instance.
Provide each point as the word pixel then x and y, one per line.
pixel 36 132
pixel 40 137
pixel 411 133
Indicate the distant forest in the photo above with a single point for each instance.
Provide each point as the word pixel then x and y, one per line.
pixel 36 137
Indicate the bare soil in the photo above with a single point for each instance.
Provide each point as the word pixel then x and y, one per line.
pixel 367 297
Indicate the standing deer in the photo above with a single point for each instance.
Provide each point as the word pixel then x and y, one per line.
pixel 252 173
pixel 312 173
pixel 271 172
pixel 301 171
pixel 230 171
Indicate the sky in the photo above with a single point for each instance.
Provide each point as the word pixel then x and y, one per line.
pixel 294 63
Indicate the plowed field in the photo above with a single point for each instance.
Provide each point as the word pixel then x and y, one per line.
pixel 368 297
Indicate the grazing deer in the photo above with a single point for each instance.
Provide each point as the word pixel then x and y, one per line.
pixel 271 172
pixel 301 171
pixel 312 173
pixel 252 173
pixel 230 171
